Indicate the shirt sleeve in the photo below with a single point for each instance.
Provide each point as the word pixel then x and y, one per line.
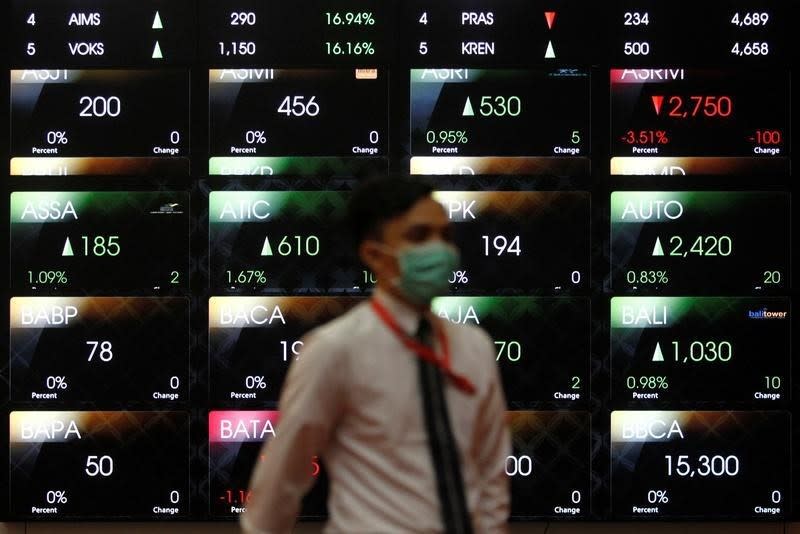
pixel 493 445
pixel 310 404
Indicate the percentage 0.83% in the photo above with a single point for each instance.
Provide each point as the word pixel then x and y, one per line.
pixel 348 48
pixel 48 277
pixel 647 277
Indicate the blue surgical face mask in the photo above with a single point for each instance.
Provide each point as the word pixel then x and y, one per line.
pixel 425 270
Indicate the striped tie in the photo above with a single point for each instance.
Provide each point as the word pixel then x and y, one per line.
pixel 444 452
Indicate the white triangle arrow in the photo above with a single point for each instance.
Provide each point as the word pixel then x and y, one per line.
pixel 468 111
pixel 157 22
pixel 67 251
pixel 266 250
pixel 658 356
pixel 550 53
pixel 658 250
pixel 157 52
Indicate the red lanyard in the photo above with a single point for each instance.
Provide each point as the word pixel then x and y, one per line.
pixel 424 351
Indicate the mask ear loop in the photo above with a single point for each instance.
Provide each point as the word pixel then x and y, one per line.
pixel 394 282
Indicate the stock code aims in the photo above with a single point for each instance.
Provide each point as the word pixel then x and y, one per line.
pixel 618 179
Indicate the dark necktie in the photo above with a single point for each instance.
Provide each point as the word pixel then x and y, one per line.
pixel 443 448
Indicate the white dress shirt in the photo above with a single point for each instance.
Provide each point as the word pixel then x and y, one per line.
pixel 352 397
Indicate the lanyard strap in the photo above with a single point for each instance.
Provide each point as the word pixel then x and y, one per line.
pixel 424 351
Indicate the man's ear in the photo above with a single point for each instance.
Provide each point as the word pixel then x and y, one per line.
pixel 369 252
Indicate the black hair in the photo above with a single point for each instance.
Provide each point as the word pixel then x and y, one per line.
pixel 378 200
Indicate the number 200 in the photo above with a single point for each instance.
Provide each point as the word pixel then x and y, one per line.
pixel 100 106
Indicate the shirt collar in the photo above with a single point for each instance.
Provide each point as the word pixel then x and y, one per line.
pixel 406 316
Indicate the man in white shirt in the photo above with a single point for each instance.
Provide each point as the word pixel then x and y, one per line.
pixel 405 409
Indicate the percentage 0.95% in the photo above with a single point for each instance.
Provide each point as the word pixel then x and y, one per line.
pixel 449 137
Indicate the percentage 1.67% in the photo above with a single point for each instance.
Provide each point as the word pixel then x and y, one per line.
pixel 246 277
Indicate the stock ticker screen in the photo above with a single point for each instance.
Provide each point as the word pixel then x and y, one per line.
pixel 617 176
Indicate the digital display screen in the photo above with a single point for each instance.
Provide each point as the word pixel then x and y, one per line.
pixel 273 241
pixel 684 241
pixel 299 122
pixel 74 464
pixel 97 240
pixel 98 349
pixel 700 464
pixel 508 32
pixel 510 232
pixel 304 31
pixel 722 349
pixel 235 443
pixel 94 32
pixel 485 121
pixel 253 340
pixel 549 466
pixel 100 122
pixel 538 363
pixel 617 178
pixel 691 121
